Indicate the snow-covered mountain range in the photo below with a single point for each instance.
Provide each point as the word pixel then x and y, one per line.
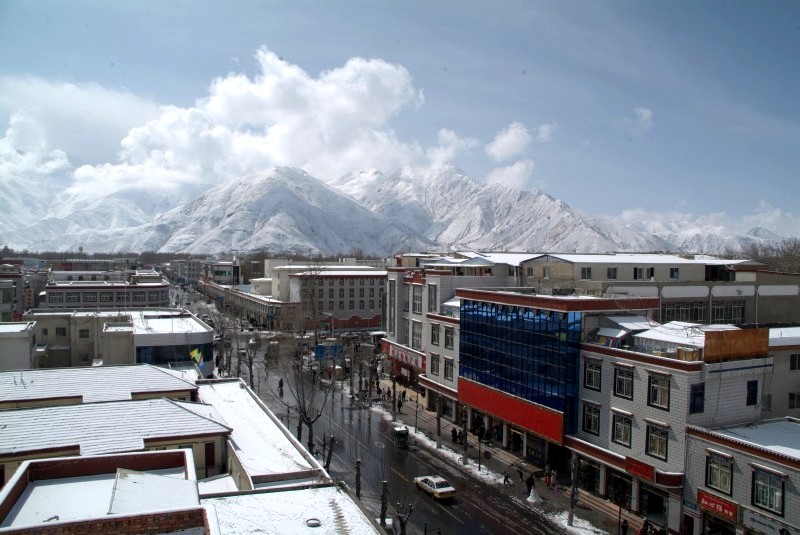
pixel 287 210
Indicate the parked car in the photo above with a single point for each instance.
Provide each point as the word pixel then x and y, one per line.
pixel 436 486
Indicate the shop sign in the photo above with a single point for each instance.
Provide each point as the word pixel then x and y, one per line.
pixel 718 506
pixel 639 469
pixel 766 525
pixel 402 355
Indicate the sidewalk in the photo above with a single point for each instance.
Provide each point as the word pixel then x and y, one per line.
pixel 599 512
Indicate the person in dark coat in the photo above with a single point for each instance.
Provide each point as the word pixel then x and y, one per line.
pixel 530 483
pixel 399 405
pixel 521 475
pixel 624 527
pixel 454 434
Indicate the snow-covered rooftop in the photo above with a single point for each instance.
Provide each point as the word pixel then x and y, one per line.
pixel 784 336
pixel 292 511
pixel 149 323
pixel 95 384
pixel 679 332
pixel 781 436
pixel 633 323
pixel 98 428
pixel 15 327
pixel 372 272
pixel 261 442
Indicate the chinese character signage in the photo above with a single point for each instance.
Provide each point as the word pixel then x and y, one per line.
pixel 718 506
pixel 639 469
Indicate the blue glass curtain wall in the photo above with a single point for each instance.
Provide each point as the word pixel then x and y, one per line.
pixel 530 353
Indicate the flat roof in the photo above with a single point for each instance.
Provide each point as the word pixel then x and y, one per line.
pixel 780 436
pixel 97 428
pixel 262 443
pixel 342 273
pixel 94 383
pixel 92 496
pixel 15 327
pixel 290 511
pixel 683 333
pixel 784 336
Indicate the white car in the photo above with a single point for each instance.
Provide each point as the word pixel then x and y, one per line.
pixel 436 486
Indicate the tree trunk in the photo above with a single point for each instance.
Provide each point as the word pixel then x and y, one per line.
pixel 358 478
pixel 384 501
pixel 310 436
pixel 300 432
pixel 330 453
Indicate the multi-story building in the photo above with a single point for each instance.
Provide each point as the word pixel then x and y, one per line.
pixel 226 273
pixel 81 337
pixel 743 479
pixel 700 289
pixel 90 289
pixel 17 345
pixel 12 292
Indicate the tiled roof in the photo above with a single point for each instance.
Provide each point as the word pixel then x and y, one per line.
pixel 100 427
pixel 95 384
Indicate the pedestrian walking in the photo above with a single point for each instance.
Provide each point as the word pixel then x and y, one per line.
pixel 400 405
pixel 519 471
pixel 547 473
pixel 454 434
pixel 460 437
pixel 506 479
pixel 623 529
pixel 530 483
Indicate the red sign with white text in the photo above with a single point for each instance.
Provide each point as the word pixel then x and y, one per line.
pixel 639 469
pixel 718 506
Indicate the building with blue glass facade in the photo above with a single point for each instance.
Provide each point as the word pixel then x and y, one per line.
pixel 519 363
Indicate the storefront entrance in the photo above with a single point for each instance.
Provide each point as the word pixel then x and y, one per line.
pixel 619 489
pixel 717 526
pixel 589 476
pixel 653 505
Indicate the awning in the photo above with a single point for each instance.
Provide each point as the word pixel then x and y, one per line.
pixel 611 333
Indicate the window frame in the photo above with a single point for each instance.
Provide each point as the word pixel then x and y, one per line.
pixel 435 359
pixel 586 273
pixel 656 431
pixel 416 335
pixel 794 362
pixel 716 473
pixel 449 367
pixel 626 423
pixel 611 273
pixel 590 423
pixel 449 337
pixel 593 368
pixel 780 492
pixel 618 371
pixel 655 390
pixel 697 398
pixel 435 334
pixel 752 393
pixel 416 299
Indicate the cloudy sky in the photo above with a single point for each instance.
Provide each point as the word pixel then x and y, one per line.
pixel 644 110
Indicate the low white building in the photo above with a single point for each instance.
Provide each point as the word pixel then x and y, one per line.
pixel 17 345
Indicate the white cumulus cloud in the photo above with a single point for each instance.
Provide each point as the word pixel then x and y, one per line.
pixel 545 132
pixel 513 176
pixel 24 151
pixel 449 145
pixel 327 125
pixel 509 142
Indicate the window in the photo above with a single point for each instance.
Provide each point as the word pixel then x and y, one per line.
pixel 718 473
pixel 341 293
pixel 434 364
pixel 83 333
pixel 794 361
pixel 210 454
pixel 591 419
pixel 138 296
pixel 352 293
pixel 697 397
pixel 752 392
pixel 55 298
pixel 91 297
pixel 361 292
pixel 658 391
pixel 622 429
pixel 361 282
pixel 416 298
pixel 152 296
pixel 591 374
pixel 372 292
pixel 650 273
pixel 448 337
pixel 767 491
pixel 448 369
pixel 638 273
pixel 73 297
pixel 674 273
pixel 623 383
pixel 434 334
pixel 106 297
pixel 611 274
pixel 416 335
pixel 794 400
pixel 529 272
pixel 61 331
pixel 586 273
pixel 433 298
pixel 545 272
pixel 657 442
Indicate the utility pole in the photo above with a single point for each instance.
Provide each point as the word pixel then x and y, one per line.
pixel 573 497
